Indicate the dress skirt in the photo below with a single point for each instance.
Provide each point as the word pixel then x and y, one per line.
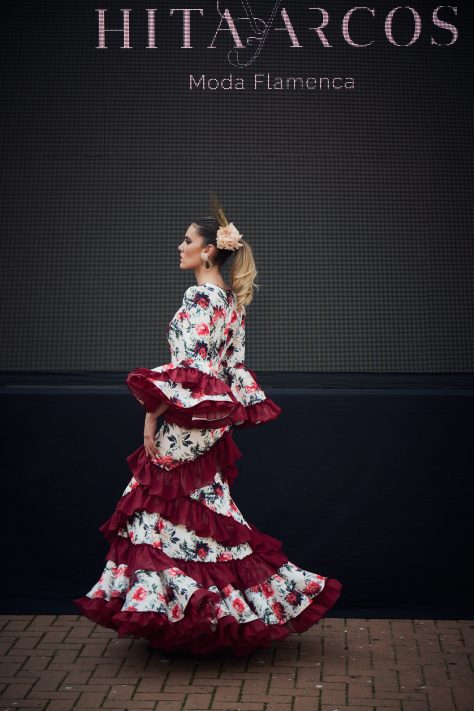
pixel 185 570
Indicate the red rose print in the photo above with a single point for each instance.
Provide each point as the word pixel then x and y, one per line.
pixel 202 329
pixel 167 461
pixel 224 556
pixel 312 588
pixel 267 589
pixel 176 612
pixel 99 593
pixel 278 610
pixel 157 544
pixel 292 598
pixel 202 551
pixel 131 535
pixel 161 524
pixel 140 594
pixel 202 352
pixel 227 590
pixel 238 605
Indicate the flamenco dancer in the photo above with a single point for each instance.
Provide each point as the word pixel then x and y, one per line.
pixel 185 570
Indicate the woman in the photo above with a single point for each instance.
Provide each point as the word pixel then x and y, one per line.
pixel 185 570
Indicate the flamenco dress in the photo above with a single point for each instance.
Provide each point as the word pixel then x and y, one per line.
pixel 185 570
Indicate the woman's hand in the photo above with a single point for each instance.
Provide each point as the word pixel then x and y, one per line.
pixel 149 435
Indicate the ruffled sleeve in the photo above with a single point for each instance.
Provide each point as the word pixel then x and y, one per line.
pixel 189 384
pixel 244 385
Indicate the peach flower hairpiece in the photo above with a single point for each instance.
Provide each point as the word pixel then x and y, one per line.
pixel 228 236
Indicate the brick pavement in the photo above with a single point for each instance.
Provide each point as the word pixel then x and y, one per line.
pixel 64 662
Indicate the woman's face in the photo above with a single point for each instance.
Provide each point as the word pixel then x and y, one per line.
pixel 190 249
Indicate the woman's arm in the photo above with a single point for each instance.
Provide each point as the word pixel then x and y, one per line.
pixel 149 431
pixel 162 407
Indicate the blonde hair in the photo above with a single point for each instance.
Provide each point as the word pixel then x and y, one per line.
pixel 242 275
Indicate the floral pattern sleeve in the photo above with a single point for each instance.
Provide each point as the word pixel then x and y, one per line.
pixel 196 396
pixel 243 382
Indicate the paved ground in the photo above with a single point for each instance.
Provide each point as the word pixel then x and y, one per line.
pixel 62 662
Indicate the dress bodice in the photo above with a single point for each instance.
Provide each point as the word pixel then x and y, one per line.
pixel 206 383
pixel 209 329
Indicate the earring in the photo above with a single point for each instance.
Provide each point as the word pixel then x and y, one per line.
pixel 207 262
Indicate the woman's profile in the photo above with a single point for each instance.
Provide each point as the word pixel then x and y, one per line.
pixel 185 570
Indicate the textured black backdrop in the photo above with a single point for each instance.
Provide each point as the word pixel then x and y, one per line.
pixel 358 203
pixel 372 486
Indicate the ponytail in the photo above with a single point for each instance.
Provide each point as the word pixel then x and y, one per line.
pixel 242 274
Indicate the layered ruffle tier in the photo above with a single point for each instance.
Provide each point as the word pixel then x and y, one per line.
pixel 231 587
pixel 197 398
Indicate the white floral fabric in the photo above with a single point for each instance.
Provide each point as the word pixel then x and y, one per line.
pixel 277 600
pixel 177 444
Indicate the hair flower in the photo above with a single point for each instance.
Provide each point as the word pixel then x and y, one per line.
pixel 229 237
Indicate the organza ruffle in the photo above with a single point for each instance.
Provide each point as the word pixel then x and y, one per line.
pixel 241 573
pixel 195 634
pixel 197 399
pixel 187 476
pixel 188 512
pixel 259 413
pixel 194 398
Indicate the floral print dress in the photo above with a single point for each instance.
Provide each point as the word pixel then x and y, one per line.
pixel 185 570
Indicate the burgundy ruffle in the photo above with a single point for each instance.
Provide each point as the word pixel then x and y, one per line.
pixel 194 634
pixel 240 572
pixel 211 413
pixel 259 413
pixel 187 476
pixel 189 512
pixel 214 413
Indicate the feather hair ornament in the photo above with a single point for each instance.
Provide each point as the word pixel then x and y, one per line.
pixel 218 211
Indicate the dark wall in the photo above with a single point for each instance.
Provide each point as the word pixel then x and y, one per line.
pixel 372 486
